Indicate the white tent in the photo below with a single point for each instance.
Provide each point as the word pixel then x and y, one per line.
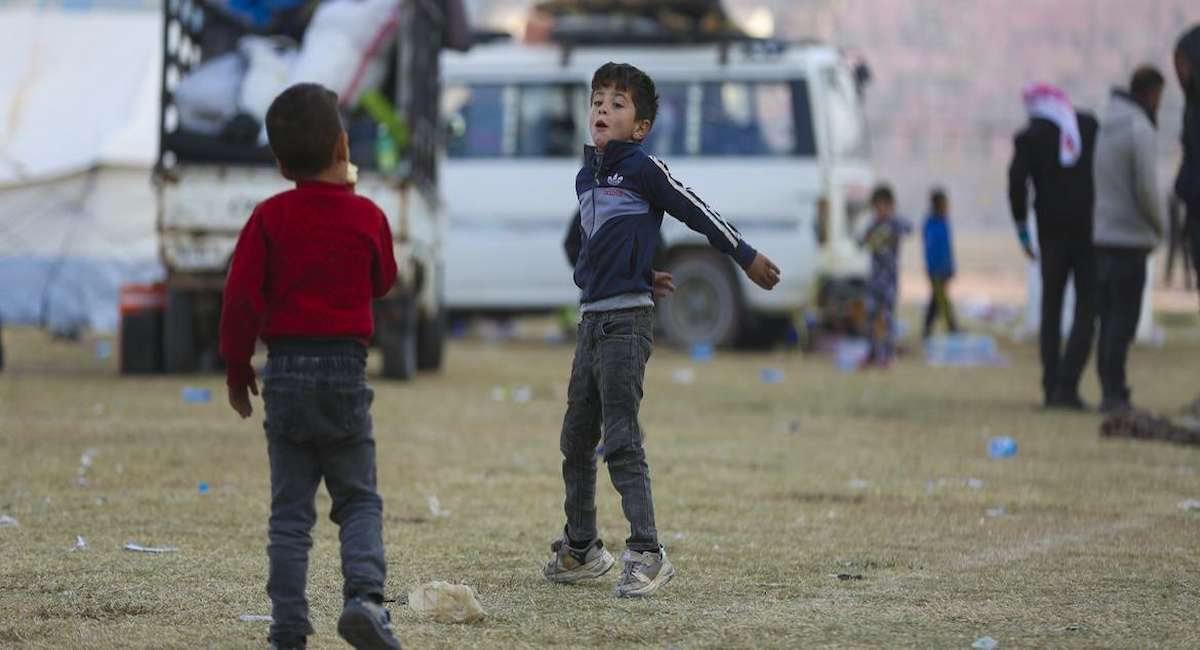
pixel 78 137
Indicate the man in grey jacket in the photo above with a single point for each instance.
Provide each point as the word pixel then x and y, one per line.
pixel 1128 223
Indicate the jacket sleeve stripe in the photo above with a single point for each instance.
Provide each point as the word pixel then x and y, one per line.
pixel 712 215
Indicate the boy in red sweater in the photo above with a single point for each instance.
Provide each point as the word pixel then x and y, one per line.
pixel 307 265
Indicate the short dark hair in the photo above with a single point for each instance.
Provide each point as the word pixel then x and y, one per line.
pixel 623 76
pixel 936 194
pixel 882 193
pixel 1146 79
pixel 303 127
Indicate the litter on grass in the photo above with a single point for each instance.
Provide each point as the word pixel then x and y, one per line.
pixel 995 513
pixel 80 544
pixel 684 376
pixel 446 603
pixel 154 550
pixel 435 507
pixel 985 643
pixel 1189 505
pixel 9 522
pixel 255 618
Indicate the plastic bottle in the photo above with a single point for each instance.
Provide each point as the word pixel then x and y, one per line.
pixel 1001 447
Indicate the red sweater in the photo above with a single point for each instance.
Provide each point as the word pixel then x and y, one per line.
pixel 307 264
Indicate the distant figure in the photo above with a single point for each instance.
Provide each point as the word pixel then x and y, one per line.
pixel 1055 151
pixel 939 262
pixel 882 240
pixel 1129 224
pixel 1187 183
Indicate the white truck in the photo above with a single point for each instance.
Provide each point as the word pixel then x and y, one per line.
pixel 206 191
pixel 771 134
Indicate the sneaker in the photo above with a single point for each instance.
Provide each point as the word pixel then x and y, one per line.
pixel 571 565
pixel 644 573
pixel 366 625
pixel 286 645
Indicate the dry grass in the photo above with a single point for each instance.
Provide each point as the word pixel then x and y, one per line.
pixel 755 492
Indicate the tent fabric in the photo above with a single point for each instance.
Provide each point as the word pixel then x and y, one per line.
pixel 78 138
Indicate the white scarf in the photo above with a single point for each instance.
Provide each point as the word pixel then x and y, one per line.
pixel 1048 102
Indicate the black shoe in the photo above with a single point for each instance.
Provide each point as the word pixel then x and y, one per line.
pixel 1068 402
pixel 288 645
pixel 366 625
pixel 1113 406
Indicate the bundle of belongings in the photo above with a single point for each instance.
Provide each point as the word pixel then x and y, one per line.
pixel 251 50
pixel 1135 423
pixel 612 21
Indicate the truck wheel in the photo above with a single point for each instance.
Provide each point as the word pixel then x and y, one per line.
pixel 707 305
pixel 431 341
pixel 397 336
pixel 141 342
pixel 179 338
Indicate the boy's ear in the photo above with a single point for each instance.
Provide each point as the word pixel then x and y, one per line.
pixel 641 129
pixel 283 170
pixel 341 151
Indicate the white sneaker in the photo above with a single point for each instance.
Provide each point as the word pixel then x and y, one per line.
pixel 644 574
pixel 572 565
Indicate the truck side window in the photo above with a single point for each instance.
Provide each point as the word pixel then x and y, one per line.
pixel 475 118
pixel 755 118
pixel 668 135
pixel 513 121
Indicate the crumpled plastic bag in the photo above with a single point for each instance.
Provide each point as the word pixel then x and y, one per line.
pixel 446 603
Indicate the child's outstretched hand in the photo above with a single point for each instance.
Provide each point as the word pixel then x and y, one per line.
pixel 239 398
pixel 664 284
pixel 763 272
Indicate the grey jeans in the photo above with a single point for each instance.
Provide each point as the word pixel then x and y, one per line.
pixel 318 425
pixel 603 399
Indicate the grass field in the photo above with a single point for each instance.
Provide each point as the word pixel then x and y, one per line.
pixel 763 492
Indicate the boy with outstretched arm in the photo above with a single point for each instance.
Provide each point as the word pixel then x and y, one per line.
pixel 623 193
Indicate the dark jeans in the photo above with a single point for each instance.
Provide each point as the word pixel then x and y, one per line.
pixel 1063 260
pixel 318 425
pixel 606 390
pixel 1193 227
pixel 1120 281
pixel 939 304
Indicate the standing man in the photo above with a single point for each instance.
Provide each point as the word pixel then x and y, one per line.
pixel 1129 224
pixel 1055 151
pixel 1187 184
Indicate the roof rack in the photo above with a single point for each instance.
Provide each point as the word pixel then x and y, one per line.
pixel 639 22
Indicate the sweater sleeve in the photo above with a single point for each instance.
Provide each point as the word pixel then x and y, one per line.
pixel 383 272
pixel 244 305
pixel 1018 179
pixel 679 201
pixel 1146 177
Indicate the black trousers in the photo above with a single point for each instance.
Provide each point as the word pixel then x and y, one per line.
pixel 939 304
pixel 1063 261
pixel 1120 282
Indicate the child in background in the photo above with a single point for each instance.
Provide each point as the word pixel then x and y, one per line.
pixel 882 240
pixel 306 267
pixel 939 262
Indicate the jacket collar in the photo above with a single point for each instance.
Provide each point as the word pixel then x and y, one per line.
pixel 1121 95
pixel 615 152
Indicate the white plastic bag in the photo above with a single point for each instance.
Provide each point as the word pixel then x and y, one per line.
pixel 446 603
pixel 344 45
pixel 268 66
pixel 207 98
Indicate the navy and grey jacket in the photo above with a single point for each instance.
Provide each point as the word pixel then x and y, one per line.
pixel 622 197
